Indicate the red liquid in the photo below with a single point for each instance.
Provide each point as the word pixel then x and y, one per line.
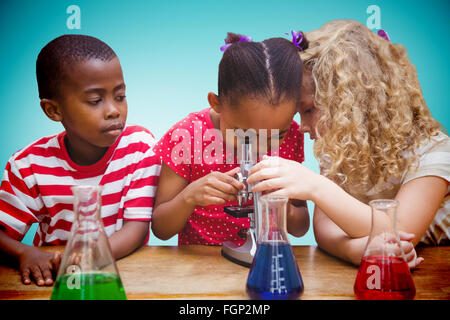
pixel 384 278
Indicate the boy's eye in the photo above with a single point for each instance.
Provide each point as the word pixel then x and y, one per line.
pixel 94 102
pixel 121 98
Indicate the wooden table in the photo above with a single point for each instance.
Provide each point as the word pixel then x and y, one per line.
pixel 200 272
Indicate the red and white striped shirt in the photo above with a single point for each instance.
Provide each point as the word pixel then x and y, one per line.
pixel 37 180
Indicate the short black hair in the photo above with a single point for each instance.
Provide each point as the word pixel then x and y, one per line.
pixel 271 69
pixel 58 54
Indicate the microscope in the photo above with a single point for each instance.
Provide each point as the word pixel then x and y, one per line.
pixel 244 254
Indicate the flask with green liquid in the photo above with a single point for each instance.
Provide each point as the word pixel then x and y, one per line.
pixel 88 270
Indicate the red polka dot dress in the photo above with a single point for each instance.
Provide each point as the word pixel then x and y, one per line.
pixel 187 149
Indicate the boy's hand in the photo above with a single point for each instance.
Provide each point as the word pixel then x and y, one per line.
pixel 214 189
pixel 39 264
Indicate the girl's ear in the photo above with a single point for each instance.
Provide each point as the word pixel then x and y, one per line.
pixel 52 109
pixel 213 101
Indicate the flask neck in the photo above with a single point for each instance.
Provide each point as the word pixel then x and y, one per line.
pixel 273 220
pixel 86 207
pixel 87 210
pixel 383 239
pixel 87 202
pixel 384 218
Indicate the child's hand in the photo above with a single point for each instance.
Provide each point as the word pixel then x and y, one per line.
pixel 282 177
pixel 214 189
pixel 40 264
pixel 408 248
pixel 389 244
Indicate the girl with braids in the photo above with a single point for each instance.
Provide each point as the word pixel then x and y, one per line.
pixel 374 138
pixel 259 88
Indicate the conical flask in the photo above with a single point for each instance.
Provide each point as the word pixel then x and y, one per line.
pixel 383 272
pixel 88 270
pixel 274 273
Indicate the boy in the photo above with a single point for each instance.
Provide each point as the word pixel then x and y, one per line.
pixel 81 85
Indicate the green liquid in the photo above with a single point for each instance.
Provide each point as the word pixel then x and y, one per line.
pixel 94 286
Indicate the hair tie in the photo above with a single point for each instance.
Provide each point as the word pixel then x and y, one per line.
pixel 384 35
pixel 241 39
pixel 297 38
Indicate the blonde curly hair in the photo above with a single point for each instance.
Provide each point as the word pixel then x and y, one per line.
pixel 371 105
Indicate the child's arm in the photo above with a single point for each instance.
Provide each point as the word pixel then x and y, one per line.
pixel 334 240
pixel 16 215
pixel 171 209
pixel 419 198
pixel 139 199
pixel 32 261
pixel 293 180
pixel 176 198
pixel 128 238
pixel 419 201
pixel 297 218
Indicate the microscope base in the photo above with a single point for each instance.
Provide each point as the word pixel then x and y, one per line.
pixel 242 255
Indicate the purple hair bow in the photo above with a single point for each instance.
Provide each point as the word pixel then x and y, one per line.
pixel 384 35
pixel 241 39
pixel 297 38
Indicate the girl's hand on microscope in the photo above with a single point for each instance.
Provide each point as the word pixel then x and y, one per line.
pixel 282 177
pixel 215 188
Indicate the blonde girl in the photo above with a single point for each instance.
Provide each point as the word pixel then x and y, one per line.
pixel 374 138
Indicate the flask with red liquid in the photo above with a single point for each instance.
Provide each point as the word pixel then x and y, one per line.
pixel 384 273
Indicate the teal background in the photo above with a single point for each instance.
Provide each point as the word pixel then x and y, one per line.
pixel 169 51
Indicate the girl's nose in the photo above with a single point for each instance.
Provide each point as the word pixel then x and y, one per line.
pixel 304 128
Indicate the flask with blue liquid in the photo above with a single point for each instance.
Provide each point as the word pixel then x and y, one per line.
pixel 274 273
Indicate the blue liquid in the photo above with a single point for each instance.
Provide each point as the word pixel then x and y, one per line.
pixel 274 273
